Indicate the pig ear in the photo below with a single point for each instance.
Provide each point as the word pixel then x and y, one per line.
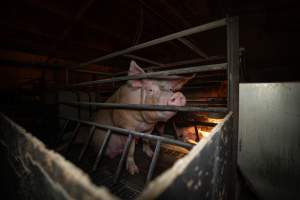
pixel 134 69
pixel 179 83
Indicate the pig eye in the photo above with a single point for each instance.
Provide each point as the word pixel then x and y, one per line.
pixel 150 90
pixel 171 89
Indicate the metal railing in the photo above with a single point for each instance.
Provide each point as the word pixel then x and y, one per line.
pixel 110 130
pixel 232 97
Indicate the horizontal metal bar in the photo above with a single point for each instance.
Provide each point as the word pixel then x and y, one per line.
pixel 146 107
pixel 93 72
pixel 178 63
pixel 190 31
pixel 198 123
pixel 134 133
pixel 156 75
pixel 143 59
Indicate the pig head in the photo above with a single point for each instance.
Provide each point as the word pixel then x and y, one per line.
pixel 142 91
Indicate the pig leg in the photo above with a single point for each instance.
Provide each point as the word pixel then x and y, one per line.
pixel 130 164
pixel 146 148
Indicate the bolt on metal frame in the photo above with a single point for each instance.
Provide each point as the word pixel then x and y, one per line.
pixel 231 24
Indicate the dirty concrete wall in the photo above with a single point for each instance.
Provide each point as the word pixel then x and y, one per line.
pixel 269 138
pixel 30 171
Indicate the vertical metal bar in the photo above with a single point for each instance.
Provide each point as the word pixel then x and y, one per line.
pixel 74 134
pixel 62 131
pixel 92 131
pixel 153 162
pixel 90 106
pixel 197 133
pixel 123 158
pixel 67 76
pixel 101 151
pixel 78 106
pixel 233 92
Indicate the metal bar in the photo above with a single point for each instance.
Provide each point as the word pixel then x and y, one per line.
pixel 233 91
pixel 143 59
pixel 147 107
pixel 174 64
pixel 153 162
pixel 192 47
pixel 123 158
pixel 185 41
pixel 172 25
pixel 93 72
pixel 92 131
pixel 134 133
pixel 190 31
pixel 61 133
pixel 74 134
pixel 155 75
pixel 101 151
pixel 90 106
pixel 83 9
pixel 197 123
pixel 78 106
pixel 197 133
pixel 66 76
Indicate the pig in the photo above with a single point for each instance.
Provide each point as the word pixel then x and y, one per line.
pixel 142 91
pixel 185 134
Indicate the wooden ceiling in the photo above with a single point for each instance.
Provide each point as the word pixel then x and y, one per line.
pixel 76 31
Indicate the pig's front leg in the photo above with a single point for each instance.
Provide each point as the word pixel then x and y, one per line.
pixel 130 164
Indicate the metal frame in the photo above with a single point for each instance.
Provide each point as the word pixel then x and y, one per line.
pixel 232 65
pixel 145 107
pixel 233 93
pixel 187 32
pixel 117 130
pixel 156 75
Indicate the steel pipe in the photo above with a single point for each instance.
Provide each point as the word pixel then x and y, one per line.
pixel 190 31
pixel 91 134
pixel 134 133
pixel 147 107
pixel 93 72
pixel 102 149
pixel 62 131
pixel 74 135
pixel 156 75
pixel 153 162
pixel 179 63
pixel 123 158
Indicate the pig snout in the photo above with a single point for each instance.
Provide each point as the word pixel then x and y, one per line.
pixel 177 99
